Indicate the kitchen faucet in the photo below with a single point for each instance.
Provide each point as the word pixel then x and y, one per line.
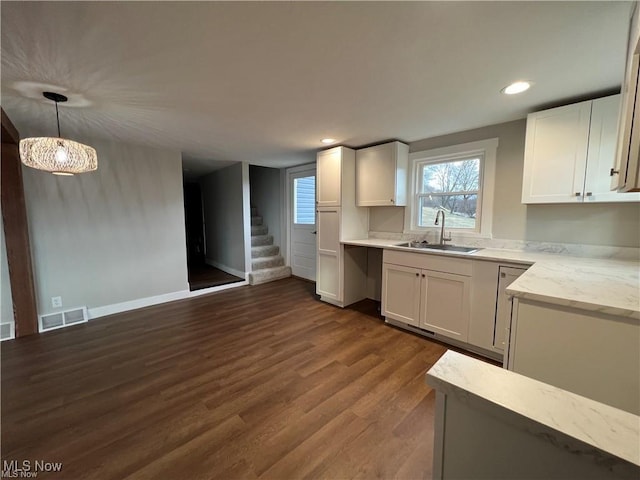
pixel 442 237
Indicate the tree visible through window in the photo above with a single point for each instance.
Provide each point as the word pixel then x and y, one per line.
pixel 453 185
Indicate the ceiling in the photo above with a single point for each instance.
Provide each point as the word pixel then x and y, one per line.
pixel 263 82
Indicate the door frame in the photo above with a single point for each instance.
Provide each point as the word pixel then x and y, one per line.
pixel 289 173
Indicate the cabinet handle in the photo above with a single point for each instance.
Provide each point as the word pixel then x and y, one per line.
pixel 503 275
pixel 423 275
pixel 417 274
pixel 613 172
pixel 391 200
pixel 577 194
pixel 589 194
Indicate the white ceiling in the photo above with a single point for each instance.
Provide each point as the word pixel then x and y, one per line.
pixel 264 82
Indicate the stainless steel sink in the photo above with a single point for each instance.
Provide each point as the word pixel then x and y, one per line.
pixel 446 248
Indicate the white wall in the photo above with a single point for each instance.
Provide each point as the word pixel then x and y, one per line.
pixel 110 236
pixel 592 224
pixel 222 194
pixel 266 196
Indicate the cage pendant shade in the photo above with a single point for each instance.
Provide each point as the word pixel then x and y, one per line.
pixel 57 155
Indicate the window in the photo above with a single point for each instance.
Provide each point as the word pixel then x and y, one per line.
pixel 459 180
pixel 304 200
pixel 454 186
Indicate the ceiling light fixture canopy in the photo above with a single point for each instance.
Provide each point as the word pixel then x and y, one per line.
pixel 55 154
pixel 516 87
pixel 328 141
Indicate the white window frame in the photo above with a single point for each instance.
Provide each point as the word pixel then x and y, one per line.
pixel 487 150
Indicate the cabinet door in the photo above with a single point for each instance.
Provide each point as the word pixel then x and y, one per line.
pixel 628 151
pixel 328 277
pixel 445 304
pixel 328 223
pixel 603 136
pixel 328 267
pixel 329 177
pixel 555 154
pixel 503 306
pixel 376 176
pixel 401 293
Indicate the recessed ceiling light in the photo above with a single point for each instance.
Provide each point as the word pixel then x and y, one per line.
pixel 328 141
pixel 516 87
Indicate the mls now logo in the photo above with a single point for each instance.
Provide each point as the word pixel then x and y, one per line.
pixel 27 468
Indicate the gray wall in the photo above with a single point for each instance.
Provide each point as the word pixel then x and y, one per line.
pixel 266 193
pixel 594 224
pixel 110 236
pixel 223 217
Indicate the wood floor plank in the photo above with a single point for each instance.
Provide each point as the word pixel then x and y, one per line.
pixel 255 382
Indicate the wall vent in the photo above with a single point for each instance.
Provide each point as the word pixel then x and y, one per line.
pixel 53 321
pixel 7 331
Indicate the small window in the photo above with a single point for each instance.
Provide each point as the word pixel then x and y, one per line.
pixel 304 200
pixel 451 185
pixel 458 179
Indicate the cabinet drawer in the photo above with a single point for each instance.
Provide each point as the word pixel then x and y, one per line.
pixel 429 261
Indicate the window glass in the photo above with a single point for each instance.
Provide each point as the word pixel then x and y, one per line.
pixel 304 200
pixel 452 185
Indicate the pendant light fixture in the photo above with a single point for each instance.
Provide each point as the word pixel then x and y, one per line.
pixel 57 155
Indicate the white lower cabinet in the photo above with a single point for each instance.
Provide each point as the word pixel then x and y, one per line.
pixel 329 271
pixel 445 304
pixel 328 277
pixel 427 291
pixel 401 291
pixel 503 306
pixel 491 306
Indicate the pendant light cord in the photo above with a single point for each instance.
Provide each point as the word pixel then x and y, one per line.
pixel 58 119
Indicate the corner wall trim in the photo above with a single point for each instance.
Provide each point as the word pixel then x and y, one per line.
pixel 225 268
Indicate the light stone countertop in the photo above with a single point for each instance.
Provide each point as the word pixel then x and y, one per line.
pixel 581 425
pixel 606 285
pixel 374 242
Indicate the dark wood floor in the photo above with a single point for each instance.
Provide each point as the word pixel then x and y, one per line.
pixel 206 276
pixel 254 382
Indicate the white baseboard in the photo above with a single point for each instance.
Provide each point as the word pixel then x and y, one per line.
pixel 225 268
pixel 219 288
pixel 105 310
pixel 135 304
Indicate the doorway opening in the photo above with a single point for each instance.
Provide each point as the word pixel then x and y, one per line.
pixel 201 273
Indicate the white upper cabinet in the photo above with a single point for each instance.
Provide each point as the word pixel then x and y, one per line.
pixel 555 155
pixel 329 177
pixel 601 152
pixel 569 154
pixel 626 174
pixel 381 175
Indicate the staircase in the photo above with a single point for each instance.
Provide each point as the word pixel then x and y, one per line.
pixel 267 264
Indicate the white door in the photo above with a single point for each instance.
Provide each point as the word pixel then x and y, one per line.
pixel 302 222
